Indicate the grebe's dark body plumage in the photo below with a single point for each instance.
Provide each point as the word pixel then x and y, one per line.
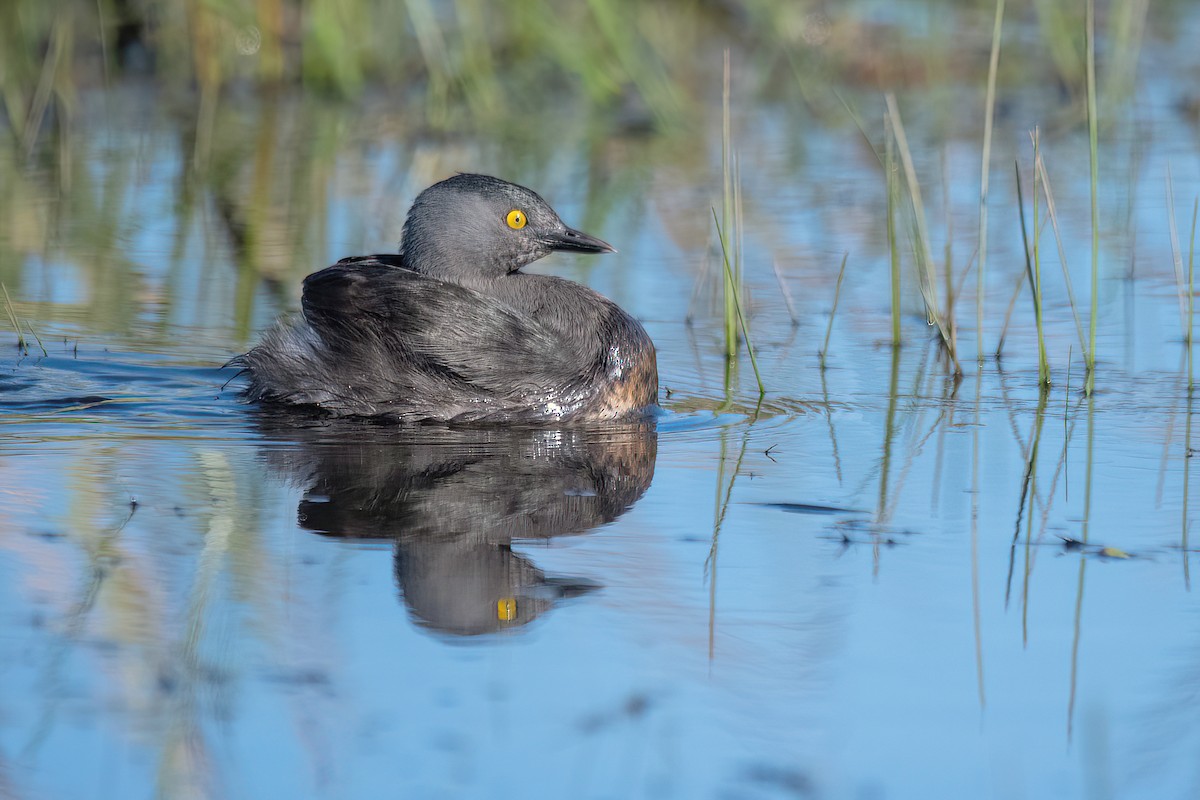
pixel 450 330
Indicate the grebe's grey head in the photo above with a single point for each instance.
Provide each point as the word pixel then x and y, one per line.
pixel 474 225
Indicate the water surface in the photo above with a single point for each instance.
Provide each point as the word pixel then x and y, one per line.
pixel 879 581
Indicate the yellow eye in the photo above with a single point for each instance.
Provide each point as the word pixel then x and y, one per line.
pixel 516 219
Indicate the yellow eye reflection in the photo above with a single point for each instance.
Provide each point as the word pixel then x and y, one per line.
pixel 516 219
pixel 506 607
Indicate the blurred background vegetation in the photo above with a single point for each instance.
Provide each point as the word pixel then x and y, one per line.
pixel 263 103
pixel 468 59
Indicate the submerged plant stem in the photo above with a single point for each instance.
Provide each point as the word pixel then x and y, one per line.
pixel 1031 477
pixel 1084 536
pixel 1187 451
pixel 889 434
pixel 975 604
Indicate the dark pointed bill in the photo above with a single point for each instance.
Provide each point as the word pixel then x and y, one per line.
pixel 579 242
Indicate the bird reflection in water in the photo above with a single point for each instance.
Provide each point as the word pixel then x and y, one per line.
pixel 453 501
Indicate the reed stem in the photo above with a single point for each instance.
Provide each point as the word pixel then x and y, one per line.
pixel 727 210
pixel 893 246
pixel 1191 298
pixel 837 292
pixel 1090 24
pixel 985 170
pixel 737 304
pixel 1035 279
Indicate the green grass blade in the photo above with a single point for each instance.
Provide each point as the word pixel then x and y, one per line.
pixel 1093 149
pixel 737 303
pixel 12 318
pixel 837 292
pixel 1037 297
pixel 1036 279
pixel 1191 291
pixel 1062 254
pixel 893 245
pixel 985 169
pixel 925 268
pixel 1176 254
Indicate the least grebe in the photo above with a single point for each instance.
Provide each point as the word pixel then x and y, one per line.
pixel 451 330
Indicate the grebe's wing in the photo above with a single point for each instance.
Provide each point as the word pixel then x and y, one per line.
pixel 404 328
